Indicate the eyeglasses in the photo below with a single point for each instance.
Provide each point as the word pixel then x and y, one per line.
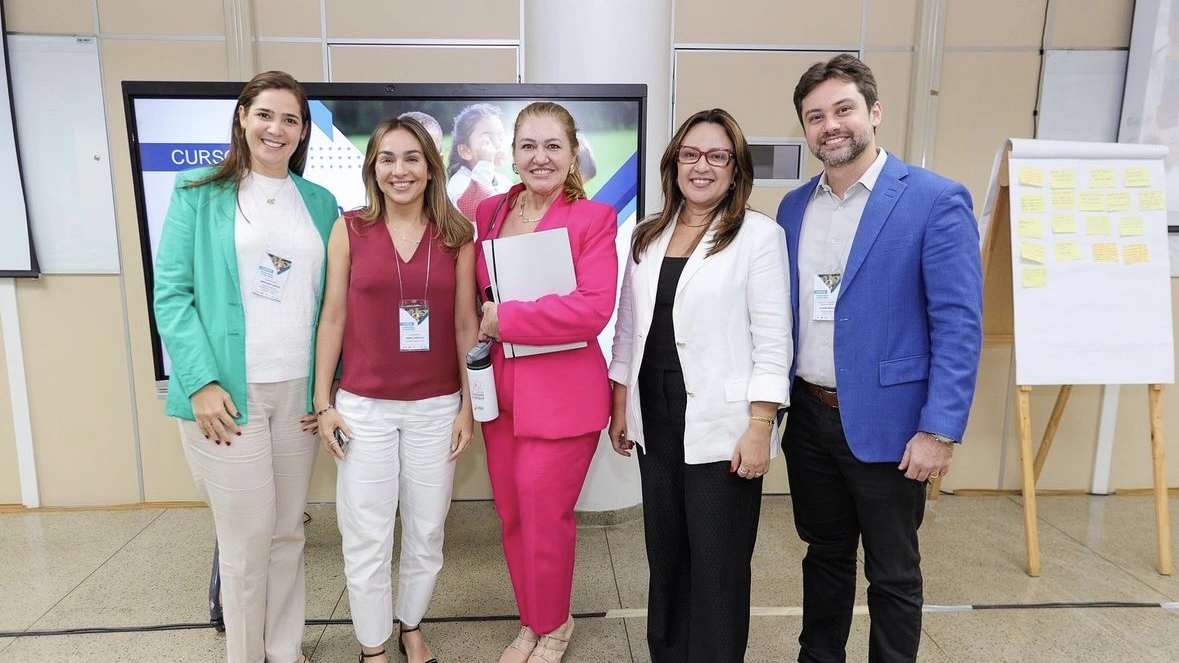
pixel 688 155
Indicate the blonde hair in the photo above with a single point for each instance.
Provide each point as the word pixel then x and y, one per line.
pixel 574 188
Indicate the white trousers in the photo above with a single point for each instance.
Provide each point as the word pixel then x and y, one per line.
pixel 399 450
pixel 257 488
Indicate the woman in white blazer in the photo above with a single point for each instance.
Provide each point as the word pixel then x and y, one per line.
pixel 700 368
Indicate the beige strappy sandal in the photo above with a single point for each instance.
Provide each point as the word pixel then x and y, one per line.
pixel 551 646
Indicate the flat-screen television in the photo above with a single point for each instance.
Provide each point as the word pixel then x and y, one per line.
pixel 175 126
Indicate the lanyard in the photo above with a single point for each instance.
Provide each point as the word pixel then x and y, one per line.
pixel 428 237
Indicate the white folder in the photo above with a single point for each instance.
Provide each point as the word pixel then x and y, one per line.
pixel 527 267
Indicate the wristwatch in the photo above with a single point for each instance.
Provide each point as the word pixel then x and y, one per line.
pixel 942 438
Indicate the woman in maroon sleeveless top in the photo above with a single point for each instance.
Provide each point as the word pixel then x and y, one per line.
pixel 399 312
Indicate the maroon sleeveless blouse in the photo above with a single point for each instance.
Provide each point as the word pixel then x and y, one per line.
pixel 373 363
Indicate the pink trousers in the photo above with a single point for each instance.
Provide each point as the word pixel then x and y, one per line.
pixel 535 484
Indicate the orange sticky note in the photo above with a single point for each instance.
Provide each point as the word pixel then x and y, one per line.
pixel 1105 252
pixel 1135 254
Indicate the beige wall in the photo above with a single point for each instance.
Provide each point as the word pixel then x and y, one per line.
pixel 76 330
pixel 9 475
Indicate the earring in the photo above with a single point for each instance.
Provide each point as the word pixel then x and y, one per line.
pixel 733 184
pixel 573 167
pixel 515 169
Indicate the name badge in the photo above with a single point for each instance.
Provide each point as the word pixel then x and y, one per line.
pixel 414 317
pixel 826 291
pixel 270 280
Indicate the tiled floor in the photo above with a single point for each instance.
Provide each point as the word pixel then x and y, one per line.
pixel 147 568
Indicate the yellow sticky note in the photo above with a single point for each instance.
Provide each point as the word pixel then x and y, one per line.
pixel 1131 226
pixel 1137 176
pixel 1030 226
pixel 1068 251
pixel 1135 253
pixel 1062 178
pixel 1035 277
pixel 1033 252
pixel 1105 252
pixel 1064 199
pixel 1098 224
pixel 1117 201
pixel 1092 202
pixel 1064 223
pixel 1031 176
pixel 1101 178
pixel 1031 203
pixel 1151 201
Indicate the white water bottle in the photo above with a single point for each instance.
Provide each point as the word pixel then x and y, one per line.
pixel 481 379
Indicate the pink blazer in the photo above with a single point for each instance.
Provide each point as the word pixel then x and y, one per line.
pixel 559 394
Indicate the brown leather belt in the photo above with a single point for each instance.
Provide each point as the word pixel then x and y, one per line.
pixel 827 397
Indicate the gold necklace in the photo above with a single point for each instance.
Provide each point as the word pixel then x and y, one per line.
pixel 407 239
pixel 523 205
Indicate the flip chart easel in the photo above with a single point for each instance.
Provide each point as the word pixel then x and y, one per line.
pixel 1076 277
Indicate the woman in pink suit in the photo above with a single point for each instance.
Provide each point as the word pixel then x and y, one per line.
pixel 552 406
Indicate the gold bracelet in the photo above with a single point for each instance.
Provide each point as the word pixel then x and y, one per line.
pixel 766 420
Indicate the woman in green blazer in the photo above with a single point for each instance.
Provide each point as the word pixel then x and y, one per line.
pixel 238 283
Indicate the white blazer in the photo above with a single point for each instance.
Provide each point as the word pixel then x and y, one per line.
pixel 732 325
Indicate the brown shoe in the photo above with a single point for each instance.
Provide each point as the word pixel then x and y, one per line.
pixel 521 647
pixel 551 646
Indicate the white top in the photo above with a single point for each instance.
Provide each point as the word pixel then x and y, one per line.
pixel 484 173
pixel 278 333
pixel 732 325
pixel 828 229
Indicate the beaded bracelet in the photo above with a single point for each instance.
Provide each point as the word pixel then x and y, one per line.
pixel 320 412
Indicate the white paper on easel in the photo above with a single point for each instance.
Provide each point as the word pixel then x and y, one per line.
pixel 527 267
pixel 1090 268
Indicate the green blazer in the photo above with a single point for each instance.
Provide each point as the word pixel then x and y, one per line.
pixel 197 295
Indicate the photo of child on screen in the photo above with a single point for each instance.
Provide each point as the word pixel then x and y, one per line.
pixel 479 147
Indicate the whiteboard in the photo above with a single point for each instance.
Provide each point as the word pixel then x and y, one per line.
pixel 61 127
pixel 1090 264
pixel 16 251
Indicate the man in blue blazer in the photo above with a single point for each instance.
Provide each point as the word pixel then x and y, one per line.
pixel 886 287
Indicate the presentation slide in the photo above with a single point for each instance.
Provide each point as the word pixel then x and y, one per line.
pixel 190 128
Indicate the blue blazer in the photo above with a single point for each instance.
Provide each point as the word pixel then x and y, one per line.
pixel 908 321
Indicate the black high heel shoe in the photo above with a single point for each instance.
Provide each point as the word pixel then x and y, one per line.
pixel 364 655
pixel 401 631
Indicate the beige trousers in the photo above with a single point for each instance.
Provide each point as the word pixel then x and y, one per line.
pixel 257 489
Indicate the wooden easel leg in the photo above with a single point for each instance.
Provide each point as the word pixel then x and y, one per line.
pixel 1030 528
pixel 1050 431
pixel 1158 452
pixel 935 489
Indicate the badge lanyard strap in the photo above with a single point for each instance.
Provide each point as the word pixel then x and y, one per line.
pixel 429 254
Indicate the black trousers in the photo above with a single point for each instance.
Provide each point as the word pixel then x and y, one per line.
pixel 837 501
pixel 700 523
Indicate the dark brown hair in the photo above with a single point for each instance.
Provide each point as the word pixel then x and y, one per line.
pixel 455 228
pixel 730 211
pixel 464 125
pixel 845 67
pixel 236 164
pixel 574 189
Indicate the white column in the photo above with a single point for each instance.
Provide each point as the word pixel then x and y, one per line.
pixel 608 41
pixel 18 389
